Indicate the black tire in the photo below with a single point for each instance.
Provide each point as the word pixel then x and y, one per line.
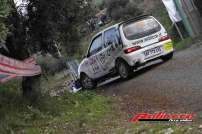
pixel 124 70
pixel 87 82
pixel 167 57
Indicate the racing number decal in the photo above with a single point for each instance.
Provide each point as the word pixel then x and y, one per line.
pixel 94 65
pixel 105 58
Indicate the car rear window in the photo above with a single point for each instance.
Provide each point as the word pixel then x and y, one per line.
pixel 141 28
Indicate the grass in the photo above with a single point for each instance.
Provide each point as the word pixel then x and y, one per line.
pixel 64 114
pixel 180 45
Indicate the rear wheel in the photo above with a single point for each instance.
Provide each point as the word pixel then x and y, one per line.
pixel 87 82
pixel 124 70
pixel 167 57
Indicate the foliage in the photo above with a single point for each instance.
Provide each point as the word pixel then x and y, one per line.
pixel 117 9
pixel 45 25
pixel 16 40
pixel 53 22
pixel 182 44
pixel 4 12
pixel 51 65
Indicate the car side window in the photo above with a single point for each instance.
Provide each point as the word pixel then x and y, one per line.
pixel 96 45
pixel 111 37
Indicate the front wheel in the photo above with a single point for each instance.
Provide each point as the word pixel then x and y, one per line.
pixel 167 57
pixel 87 82
pixel 124 70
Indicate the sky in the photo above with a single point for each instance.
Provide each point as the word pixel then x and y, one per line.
pixel 18 2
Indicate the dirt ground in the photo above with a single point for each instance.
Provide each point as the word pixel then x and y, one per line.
pixel 172 87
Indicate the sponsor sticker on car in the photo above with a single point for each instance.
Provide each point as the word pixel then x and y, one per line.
pixel 168 47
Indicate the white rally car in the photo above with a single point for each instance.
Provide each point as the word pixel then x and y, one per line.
pixel 124 47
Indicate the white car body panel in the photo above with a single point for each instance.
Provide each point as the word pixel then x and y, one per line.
pixel 100 64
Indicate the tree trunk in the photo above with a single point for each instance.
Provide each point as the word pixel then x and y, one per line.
pixel 18 47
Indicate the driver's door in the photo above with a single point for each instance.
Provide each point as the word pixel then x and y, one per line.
pixel 93 65
pixel 112 48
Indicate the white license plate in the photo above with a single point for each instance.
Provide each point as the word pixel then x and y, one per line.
pixel 153 52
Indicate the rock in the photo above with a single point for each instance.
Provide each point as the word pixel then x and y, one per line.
pixel 190 128
pixel 143 133
pixel 127 132
pixel 168 131
pixel 200 127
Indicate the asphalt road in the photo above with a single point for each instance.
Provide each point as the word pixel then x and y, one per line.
pixel 173 87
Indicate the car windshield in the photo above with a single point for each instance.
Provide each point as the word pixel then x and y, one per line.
pixel 140 28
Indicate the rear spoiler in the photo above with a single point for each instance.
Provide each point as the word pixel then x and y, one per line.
pixel 135 19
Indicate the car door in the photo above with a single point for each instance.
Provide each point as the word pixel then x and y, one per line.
pixel 112 48
pixel 95 70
